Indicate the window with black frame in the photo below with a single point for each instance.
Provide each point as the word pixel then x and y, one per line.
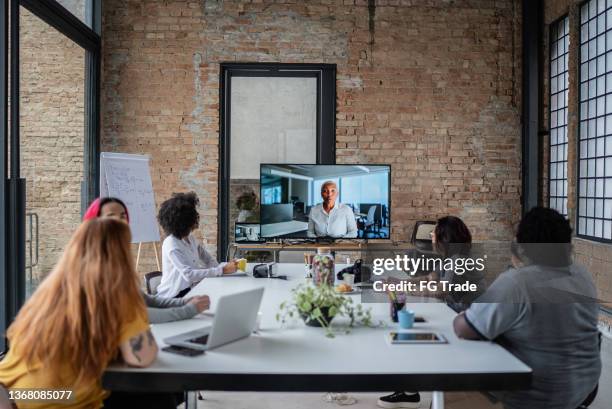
pixel 559 52
pixel 50 156
pixel 595 146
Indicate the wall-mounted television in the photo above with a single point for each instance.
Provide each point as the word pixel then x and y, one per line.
pixel 332 201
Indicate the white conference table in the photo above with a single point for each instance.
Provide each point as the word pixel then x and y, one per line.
pixel 297 358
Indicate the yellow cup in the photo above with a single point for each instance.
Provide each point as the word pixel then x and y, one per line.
pixel 242 264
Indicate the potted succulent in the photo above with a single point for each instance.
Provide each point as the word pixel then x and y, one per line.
pixel 319 305
pixel 246 203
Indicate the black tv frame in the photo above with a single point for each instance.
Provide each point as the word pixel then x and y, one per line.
pixel 325 238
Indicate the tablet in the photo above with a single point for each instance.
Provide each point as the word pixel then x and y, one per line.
pixel 417 338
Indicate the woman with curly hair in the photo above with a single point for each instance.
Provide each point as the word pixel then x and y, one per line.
pixel 185 261
pixel 159 309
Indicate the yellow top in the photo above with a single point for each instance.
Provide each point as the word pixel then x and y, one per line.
pixel 14 374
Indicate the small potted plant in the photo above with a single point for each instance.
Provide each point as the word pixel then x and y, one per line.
pixel 246 203
pixel 319 305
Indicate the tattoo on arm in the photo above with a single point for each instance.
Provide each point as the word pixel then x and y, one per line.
pixel 136 345
pixel 150 338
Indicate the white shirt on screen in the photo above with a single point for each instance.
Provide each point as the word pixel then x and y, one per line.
pixel 339 222
pixel 185 263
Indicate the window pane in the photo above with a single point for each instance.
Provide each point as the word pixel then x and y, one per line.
pixel 77 8
pixel 598 228
pixel 601 85
pixel 601 129
pixel 608 208
pixel 52 139
pixel 267 112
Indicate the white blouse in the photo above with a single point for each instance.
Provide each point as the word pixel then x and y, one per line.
pixel 185 263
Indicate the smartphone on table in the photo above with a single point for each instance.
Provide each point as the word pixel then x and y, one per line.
pixel 175 349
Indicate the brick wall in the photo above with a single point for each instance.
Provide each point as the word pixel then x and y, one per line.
pixel 597 257
pixel 52 135
pixel 430 87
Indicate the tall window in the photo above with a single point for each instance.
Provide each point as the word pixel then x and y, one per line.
pixel 559 42
pixel 595 148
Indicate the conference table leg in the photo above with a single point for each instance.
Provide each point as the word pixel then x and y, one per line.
pixel 437 400
pixel 191 399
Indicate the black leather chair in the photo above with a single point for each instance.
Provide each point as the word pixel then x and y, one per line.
pixel 421 240
pixel 152 281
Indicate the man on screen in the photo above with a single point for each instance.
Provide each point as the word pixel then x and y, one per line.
pixel 330 218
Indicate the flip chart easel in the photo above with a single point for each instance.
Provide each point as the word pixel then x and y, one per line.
pixel 127 177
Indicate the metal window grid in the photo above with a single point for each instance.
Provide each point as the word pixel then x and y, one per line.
pixel 595 146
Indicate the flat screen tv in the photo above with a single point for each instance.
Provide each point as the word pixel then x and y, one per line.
pixel 330 201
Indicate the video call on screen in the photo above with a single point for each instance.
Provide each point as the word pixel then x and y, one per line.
pixel 291 195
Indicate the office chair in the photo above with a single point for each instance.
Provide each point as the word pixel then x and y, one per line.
pixel 385 215
pixel 152 281
pixel 421 240
pixel 370 225
pixel 421 235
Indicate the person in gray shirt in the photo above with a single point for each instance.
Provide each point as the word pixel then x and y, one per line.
pixel 545 312
pixel 160 309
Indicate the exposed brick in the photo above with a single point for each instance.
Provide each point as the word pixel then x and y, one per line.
pixel 435 72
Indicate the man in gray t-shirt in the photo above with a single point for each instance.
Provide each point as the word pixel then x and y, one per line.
pixel 546 315
pixel 558 340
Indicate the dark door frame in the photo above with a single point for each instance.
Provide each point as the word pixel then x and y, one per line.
pixel 325 127
pixel 531 92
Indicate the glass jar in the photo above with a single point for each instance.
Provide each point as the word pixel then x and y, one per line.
pixel 323 267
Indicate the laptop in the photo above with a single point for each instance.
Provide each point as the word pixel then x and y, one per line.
pixel 235 318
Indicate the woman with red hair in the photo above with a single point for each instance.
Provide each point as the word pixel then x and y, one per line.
pixel 107 207
pixel 159 309
pixel 85 313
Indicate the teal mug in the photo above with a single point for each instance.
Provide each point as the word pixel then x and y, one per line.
pixel 405 318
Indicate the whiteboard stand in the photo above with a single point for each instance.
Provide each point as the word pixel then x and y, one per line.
pixel 127 177
pixel 154 243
